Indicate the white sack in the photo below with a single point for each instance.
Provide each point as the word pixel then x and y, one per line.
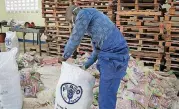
pixel 74 89
pixel 11 41
pixel 10 89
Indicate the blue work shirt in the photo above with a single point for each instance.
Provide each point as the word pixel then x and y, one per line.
pixel 94 23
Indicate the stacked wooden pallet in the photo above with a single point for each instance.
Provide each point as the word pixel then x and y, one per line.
pixel 172 37
pixel 57 28
pixel 139 21
pixel 102 5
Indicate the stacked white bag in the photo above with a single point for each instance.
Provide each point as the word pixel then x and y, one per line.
pixel 11 41
pixel 10 89
pixel 74 89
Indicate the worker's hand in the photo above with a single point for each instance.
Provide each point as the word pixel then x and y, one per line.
pixel 82 67
pixel 61 59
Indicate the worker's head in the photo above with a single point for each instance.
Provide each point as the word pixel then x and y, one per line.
pixel 71 13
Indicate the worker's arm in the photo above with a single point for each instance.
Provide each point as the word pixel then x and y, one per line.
pixel 81 25
pixel 92 59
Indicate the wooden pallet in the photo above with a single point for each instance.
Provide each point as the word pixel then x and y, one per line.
pixel 156 67
pixel 47 1
pixel 172 61
pixel 150 62
pixel 142 29
pixel 137 18
pixel 172 34
pixel 62 6
pixel 172 44
pixel 101 5
pixel 174 69
pixel 51 27
pixel 57 39
pixel 48 10
pixel 48 19
pixel 151 49
pixel 172 64
pixel 64 25
pixel 147 54
pixel 139 13
pixel 31 47
pixel 174 31
pixel 56 1
pixel 171 25
pixel 84 50
pixel 174 10
pixel 138 6
pixel 172 37
pixel 145 42
pixel 171 55
pixel 61 19
pixel 172 18
pixel 84 45
pixel 59 32
pixel 149 59
pixel 155 37
pixel 133 22
pixel 93 2
pixel 173 49
pixel 64 29
pixel 58 49
pixel 54 54
pixel 48 5
pixel 142 1
pixel 57 42
pixel 50 30
pixel 173 3
pixel 37 50
pixel 50 23
pixel 134 18
pixel 87 42
pixel 48 33
pixel 50 36
pixel 49 15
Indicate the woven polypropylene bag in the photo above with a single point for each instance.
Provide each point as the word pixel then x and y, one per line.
pixel 10 90
pixel 74 89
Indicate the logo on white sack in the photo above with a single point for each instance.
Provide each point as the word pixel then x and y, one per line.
pixel 8 41
pixel 71 93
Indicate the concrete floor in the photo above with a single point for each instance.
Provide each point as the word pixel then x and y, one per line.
pixel 28 46
pixel 49 76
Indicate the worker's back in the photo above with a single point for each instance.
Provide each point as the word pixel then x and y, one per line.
pixel 101 27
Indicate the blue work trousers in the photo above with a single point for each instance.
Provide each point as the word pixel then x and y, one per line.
pixel 112 64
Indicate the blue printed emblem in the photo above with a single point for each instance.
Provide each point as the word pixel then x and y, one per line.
pixel 8 41
pixel 71 93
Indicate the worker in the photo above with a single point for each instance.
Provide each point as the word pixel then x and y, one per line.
pixel 109 48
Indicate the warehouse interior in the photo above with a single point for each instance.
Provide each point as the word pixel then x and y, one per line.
pixel 39 30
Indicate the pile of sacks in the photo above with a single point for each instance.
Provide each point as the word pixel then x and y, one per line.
pixel 29 59
pixel 92 69
pixel 141 88
pixel 30 82
pixel 30 78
